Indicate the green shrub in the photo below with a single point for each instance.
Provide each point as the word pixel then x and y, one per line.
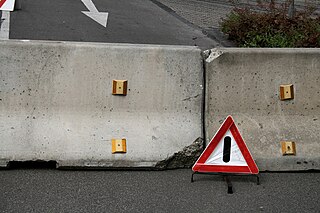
pixel 269 25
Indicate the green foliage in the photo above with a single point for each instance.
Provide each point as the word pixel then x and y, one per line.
pixel 269 25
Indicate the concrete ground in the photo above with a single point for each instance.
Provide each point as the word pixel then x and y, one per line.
pixel 207 14
pixel 49 190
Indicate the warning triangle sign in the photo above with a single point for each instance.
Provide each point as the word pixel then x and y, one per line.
pixel 226 153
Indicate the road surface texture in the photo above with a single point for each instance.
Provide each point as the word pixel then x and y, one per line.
pixel 207 14
pixel 134 21
pixel 49 190
pixel 204 14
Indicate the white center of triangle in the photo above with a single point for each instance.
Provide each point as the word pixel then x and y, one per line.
pixel 236 157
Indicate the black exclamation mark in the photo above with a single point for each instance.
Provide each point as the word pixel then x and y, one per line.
pixel 226 149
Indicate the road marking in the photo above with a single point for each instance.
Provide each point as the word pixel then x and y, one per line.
pixel 5 25
pixel 93 13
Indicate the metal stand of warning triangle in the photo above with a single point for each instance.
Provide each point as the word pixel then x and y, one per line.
pixel 227 178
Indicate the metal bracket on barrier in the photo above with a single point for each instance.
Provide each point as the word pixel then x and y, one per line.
pixel 227 178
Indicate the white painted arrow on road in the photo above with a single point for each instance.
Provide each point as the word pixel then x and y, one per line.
pixel 93 13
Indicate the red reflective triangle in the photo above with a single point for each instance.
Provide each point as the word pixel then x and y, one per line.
pixel 247 167
pixel 2 2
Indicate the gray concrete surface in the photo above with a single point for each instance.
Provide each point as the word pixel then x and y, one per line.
pixel 144 191
pixel 245 83
pixel 56 102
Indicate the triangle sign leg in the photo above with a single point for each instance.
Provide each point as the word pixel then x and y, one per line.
pixel 226 153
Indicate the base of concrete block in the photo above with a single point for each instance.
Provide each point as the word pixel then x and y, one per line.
pixel 288 163
pixel 4 163
pixel 87 164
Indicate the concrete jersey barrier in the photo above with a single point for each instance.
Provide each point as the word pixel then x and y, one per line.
pixel 56 102
pixel 245 84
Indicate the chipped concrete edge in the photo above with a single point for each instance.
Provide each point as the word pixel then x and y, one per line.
pixel 183 159
pixel 211 54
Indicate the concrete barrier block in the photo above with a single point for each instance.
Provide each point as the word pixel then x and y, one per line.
pixel 56 102
pixel 245 83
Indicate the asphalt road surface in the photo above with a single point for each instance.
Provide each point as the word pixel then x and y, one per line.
pixel 134 21
pixel 45 190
